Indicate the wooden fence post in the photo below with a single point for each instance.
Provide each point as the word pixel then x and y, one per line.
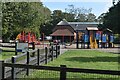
pixel 59 50
pixel 46 53
pixel 28 56
pixel 56 51
pixel 38 56
pixel 15 48
pixel 13 69
pixel 2 70
pixel 52 53
pixel 62 72
pixel 33 47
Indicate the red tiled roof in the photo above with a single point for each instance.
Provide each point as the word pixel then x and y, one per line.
pixel 62 32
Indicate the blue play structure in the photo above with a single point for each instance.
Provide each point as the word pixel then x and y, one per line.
pixel 103 40
pixel 95 39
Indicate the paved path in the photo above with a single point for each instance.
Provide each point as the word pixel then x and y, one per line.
pixel 111 50
pixel 63 51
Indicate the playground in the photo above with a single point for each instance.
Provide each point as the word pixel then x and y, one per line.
pixel 38 43
pixel 91 38
pixel 92 53
pixel 86 35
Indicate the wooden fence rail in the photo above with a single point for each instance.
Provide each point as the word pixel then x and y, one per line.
pixel 25 58
pixel 49 54
pixel 12 47
pixel 62 69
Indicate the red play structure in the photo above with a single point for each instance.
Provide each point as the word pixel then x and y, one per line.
pixel 27 37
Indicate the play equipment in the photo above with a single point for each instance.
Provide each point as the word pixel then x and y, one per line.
pixel 27 37
pixel 93 42
pixel 111 41
pixel 94 38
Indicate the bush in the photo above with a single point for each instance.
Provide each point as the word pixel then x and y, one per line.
pixel 116 38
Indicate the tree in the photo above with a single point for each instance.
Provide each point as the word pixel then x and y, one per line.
pixel 71 14
pixel 90 17
pixel 57 16
pixel 112 18
pixel 101 17
pixel 69 17
pixel 80 14
pixel 22 16
pixel 48 26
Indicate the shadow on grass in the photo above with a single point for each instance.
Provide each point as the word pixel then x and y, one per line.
pixel 68 78
pixel 93 59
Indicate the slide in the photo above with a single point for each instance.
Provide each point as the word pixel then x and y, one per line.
pixel 18 36
pixel 93 43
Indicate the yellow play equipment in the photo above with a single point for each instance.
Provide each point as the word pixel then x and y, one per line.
pixel 18 36
pixel 93 42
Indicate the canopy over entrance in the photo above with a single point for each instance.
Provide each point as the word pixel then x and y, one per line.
pixel 62 32
pixel 92 28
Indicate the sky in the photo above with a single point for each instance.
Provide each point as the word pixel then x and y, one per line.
pixel 98 6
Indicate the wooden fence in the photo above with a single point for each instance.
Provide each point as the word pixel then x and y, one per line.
pixel 32 57
pixel 12 46
pixel 7 45
pixel 62 69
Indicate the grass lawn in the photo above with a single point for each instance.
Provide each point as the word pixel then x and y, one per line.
pixel 87 59
pixel 6 55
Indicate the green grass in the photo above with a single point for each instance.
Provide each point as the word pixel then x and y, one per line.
pixel 6 55
pixel 12 49
pixel 87 59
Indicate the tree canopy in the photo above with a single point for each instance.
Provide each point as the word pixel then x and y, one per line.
pixel 22 16
pixel 80 14
pixel 71 14
pixel 36 18
pixel 111 19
